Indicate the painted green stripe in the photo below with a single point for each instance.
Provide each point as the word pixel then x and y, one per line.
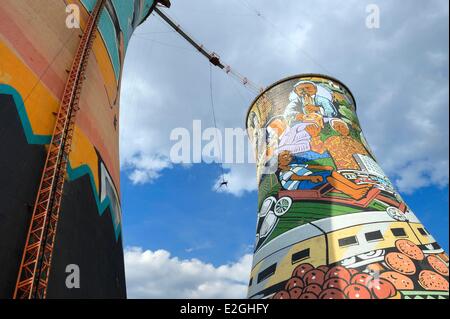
pixel 320 208
pixel 424 293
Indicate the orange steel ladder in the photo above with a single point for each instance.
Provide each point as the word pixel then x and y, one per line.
pixel 32 280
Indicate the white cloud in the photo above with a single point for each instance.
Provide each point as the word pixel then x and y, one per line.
pixel 438 58
pixel 146 168
pixel 157 274
pixel 421 174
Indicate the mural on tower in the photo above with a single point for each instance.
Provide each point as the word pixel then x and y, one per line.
pixel 36 50
pixel 330 223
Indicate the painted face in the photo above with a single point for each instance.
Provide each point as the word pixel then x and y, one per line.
pixel 285 158
pixel 308 89
pixel 341 128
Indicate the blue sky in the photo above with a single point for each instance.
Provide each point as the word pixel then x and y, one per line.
pixel 176 227
pixel 430 204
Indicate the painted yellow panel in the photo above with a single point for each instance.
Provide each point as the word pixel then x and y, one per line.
pixel 337 253
pixel 83 153
pixel 317 258
pixel 390 239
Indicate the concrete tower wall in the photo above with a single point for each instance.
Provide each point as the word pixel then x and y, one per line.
pixel 36 49
pixel 330 222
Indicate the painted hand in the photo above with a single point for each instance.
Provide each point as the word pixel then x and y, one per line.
pixel 316 179
pixel 311 108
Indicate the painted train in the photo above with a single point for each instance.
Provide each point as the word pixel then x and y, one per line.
pixel 359 242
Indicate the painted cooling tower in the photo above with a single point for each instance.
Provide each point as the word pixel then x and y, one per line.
pixel 330 223
pixel 36 50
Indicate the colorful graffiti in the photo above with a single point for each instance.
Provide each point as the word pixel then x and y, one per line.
pixel 32 70
pixel 36 50
pixel 330 223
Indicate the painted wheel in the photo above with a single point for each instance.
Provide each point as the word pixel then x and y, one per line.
pixel 268 224
pixel 396 214
pixel 266 206
pixel 282 206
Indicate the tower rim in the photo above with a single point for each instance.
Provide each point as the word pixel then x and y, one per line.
pixel 292 77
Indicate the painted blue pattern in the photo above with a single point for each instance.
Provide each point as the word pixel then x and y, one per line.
pixel 125 11
pixel 147 6
pixel 89 4
pixel 108 32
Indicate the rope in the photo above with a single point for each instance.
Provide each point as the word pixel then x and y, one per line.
pixel 165 44
pixel 277 29
pixel 211 95
pixel 210 55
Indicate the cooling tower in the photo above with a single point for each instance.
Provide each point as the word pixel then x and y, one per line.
pixel 330 223
pixel 38 42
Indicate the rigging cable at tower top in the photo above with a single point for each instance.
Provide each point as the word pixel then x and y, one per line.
pixel 211 95
pixel 263 17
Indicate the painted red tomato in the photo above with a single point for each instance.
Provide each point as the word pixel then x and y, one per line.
pixel 313 289
pixel 382 288
pixel 308 295
pixel 324 268
pixel 361 279
pixel 337 283
pixel 332 293
pixel 356 291
pixel 295 293
pixel 283 294
pixel 314 276
pixel 301 270
pixel 338 272
pixel 294 282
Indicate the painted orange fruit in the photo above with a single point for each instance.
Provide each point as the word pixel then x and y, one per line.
pixel 437 264
pixel 400 281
